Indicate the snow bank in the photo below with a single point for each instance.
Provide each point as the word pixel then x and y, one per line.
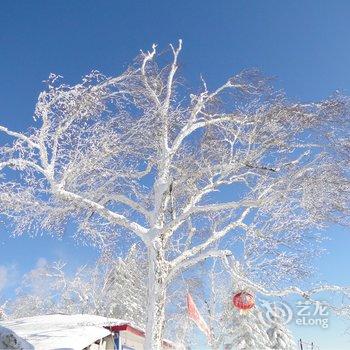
pixel 10 340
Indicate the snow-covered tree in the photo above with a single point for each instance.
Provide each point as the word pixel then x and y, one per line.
pixel 113 289
pixel 249 331
pixel 215 295
pixel 278 333
pixel 2 310
pixel 137 155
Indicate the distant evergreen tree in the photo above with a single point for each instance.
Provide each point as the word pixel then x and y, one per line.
pixel 249 331
pixel 278 333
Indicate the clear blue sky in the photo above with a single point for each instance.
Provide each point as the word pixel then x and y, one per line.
pixel 305 44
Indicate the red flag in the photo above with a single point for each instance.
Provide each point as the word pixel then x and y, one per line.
pixel 196 317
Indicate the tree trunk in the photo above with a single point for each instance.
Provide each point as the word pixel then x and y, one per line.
pixel 156 300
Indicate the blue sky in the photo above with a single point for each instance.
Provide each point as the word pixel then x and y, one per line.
pixel 304 44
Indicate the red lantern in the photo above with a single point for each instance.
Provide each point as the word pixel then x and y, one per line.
pixel 243 301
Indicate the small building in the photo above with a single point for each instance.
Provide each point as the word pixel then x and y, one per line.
pixel 128 337
pixel 72 332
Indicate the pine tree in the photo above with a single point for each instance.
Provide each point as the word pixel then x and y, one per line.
pixel 278 333
pixel 129 284
pixel 249 332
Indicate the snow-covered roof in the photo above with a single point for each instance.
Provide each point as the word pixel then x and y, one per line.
pixel 49 332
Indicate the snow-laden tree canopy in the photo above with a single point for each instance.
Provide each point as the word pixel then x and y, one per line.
pixel 189 173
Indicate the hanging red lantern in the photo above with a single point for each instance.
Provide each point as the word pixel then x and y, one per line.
pixel 243 301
